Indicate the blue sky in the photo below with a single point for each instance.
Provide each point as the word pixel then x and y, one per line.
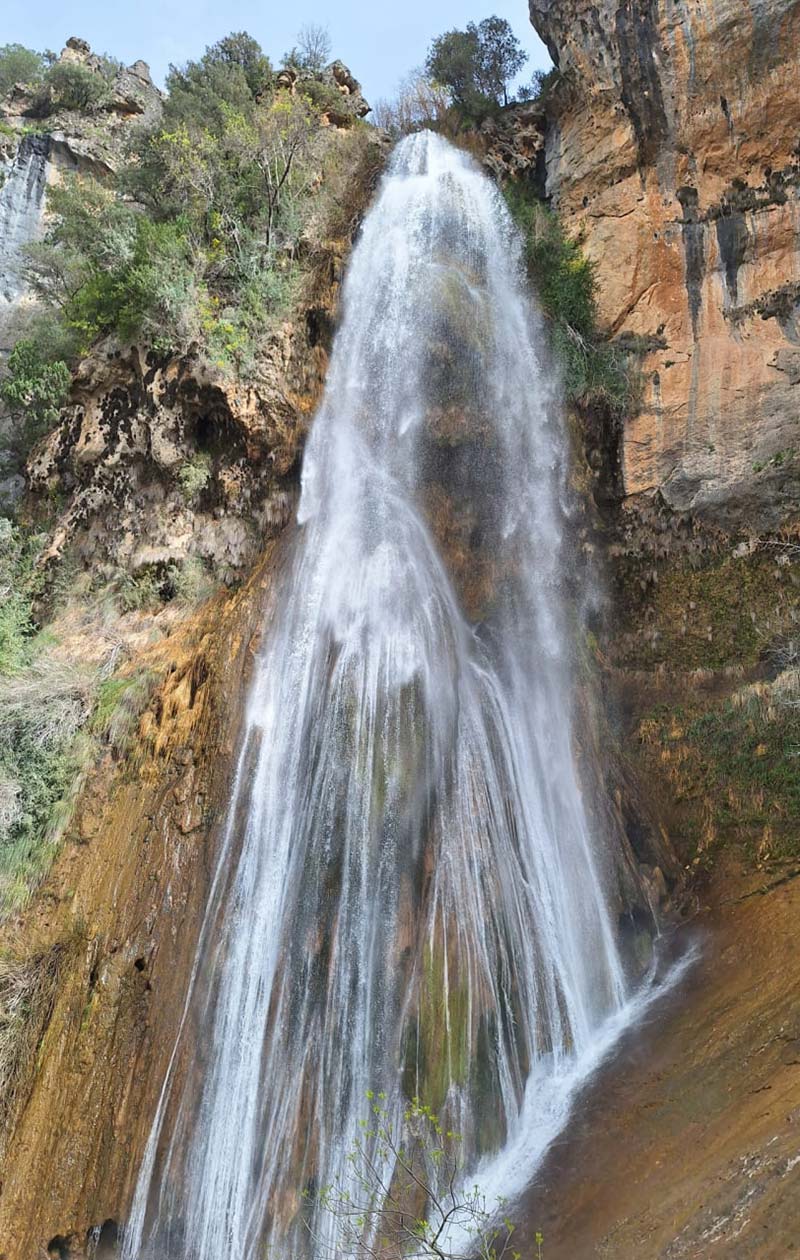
pixel 380 41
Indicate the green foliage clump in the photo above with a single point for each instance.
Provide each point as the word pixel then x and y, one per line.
pixel 118 705
pixel 194 475
pixel 71 85
pixel 106 266
pixel 477 66
pixel 33 390
pixel 200 240
pixel 20 583
pixel 42 706
pixel 185 581
pixel 594 370
pixel 20 65
pixel 541 85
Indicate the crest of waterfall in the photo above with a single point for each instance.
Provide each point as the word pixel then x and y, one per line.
pixel 408 896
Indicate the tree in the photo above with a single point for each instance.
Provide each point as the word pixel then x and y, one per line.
pixel 19 65
pixel 313 48
pixel 407 1195
pixel 418 103
pixel 240 49
pixel 500 57
pixel 477 65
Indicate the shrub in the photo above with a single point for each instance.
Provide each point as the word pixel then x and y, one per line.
pixel 71 85
pixel 19 584
pixel 42 709
pixel 108 267
pixel 34 391
pixel 541 85
pixel 19 65
pixel 594 371
pixel 194 475
pixel 118 706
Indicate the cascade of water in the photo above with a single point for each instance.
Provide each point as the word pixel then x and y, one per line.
pixel 408 897
pixel 21 208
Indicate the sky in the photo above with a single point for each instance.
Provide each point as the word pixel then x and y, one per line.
pixel 379 41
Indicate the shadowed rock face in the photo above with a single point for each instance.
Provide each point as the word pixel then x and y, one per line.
pixel 672 142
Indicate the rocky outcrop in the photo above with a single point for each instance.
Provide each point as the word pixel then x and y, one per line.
pixel 39 145
pixel 673 146
pixel 334 90
pixel 162 460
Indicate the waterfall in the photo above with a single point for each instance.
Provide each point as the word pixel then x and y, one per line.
pixel 408 897
pixel 21 209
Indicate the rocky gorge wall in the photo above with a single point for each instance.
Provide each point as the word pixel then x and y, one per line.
pixel 669 144
pixel 672 144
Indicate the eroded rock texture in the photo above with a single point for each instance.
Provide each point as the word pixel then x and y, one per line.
pixel 673 143
pixel 160 460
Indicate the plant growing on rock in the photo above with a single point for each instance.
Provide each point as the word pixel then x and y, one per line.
pixel 594 370
pixel 34 391
pixel 20 65
pixel 70 85
pixel 200 240
pixel 194 475
pixel 477 66
pixel 407 1195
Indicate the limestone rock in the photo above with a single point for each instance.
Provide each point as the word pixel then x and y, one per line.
pixel 672 144
pixel 135 423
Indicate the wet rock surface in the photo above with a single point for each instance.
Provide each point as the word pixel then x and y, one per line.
pixel 687 1145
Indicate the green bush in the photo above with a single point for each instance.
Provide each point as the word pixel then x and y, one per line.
pixel 34 391
pixel 194 475
pixel 70 85
pixel 594 370
pixel 109 267
pixel 19 65
pixel 20 583
pixel 118 705
pixel 43 705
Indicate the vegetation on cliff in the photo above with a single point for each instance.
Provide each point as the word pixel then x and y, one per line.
pixel 595 371
pixel 204 235
pixel 211 230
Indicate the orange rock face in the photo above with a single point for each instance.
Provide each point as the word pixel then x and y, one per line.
pixel 673 145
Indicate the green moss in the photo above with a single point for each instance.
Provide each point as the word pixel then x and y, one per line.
pixel 722 613
pixel 736 777
pixel 443 1030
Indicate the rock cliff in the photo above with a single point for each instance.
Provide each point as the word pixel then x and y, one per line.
pixel 672 145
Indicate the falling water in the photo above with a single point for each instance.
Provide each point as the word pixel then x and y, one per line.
pixel 408 898
pixel 21 209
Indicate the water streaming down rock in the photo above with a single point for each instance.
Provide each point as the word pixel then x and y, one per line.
pixel 21 210
pixel 408 898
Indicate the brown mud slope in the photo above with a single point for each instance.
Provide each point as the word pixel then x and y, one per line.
pixel 688 1144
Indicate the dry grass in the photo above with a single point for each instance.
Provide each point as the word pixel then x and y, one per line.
pixel 27 995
